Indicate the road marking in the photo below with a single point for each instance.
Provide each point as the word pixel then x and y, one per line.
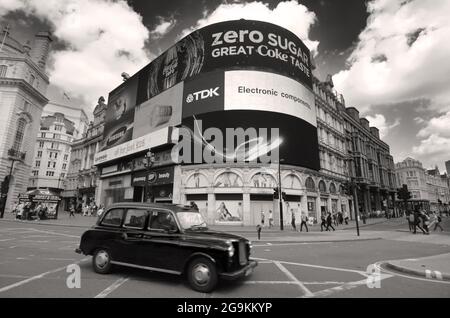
pixel 59 259
pixel 293 278
pixel 10 239
pixel 324 283
pixel 254 282
pixel 33 241
pixel 14 246
pixel 56 233
pixel 344 287
pixel 112 287
pixel 36 236
pixel 287 244
pixel 26 281
pixel 269 243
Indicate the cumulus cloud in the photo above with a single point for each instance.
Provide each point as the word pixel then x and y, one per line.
pixel 102 39
pixel 401 55
pixel 379 121
pixel 435 145
pixel 164 26
pixel 289 14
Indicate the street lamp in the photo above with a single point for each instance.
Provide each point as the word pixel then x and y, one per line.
pixel 280 197
pixel 148 163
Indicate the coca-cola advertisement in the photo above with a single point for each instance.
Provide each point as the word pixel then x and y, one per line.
pixel 231 45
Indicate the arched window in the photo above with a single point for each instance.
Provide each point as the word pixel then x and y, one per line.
pixel 332 188
pixel 3 69
pixel 310 185
pixel 21 124
pixel 322 186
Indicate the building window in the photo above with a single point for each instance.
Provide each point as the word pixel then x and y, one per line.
pixel 48 164
pixel 42 135
pixel 41 144
pixel 322 186
pixel 310 185
pixel 64 166
pixel 3 69
pixel 50 173
pixel 21 123
pixel 35 173
pixel 37 164
pixel 39 154
pixel 63 175
pixel 56 136
pixel 58 127
pixel 66 156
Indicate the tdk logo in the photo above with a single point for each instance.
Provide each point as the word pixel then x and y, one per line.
pixel 206 93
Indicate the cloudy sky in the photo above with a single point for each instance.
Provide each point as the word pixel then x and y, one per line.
pixel 389 58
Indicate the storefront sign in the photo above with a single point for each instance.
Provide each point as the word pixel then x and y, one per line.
pixel 155 177
pixel 157 138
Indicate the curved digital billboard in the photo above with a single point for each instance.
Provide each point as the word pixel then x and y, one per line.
pixel 231 75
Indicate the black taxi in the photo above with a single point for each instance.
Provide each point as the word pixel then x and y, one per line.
pixel 167 238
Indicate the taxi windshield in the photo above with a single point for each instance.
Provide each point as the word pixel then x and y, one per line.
pixel 191 220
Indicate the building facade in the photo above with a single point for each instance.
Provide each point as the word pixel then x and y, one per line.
pixel 52 153
pixel 313 165
pixel 23 85
pixel 82 178
pixel 427 187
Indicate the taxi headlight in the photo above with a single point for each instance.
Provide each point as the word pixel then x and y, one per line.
pixel 230 251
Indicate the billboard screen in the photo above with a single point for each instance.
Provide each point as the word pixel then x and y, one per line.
pixel 240 44
pixel 119 116
pixel 234 74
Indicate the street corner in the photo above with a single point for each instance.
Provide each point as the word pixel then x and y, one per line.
pixel 434 267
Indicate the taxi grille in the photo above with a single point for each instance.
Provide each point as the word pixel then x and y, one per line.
pixel 243 258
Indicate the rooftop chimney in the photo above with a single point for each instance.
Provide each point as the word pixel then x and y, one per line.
pixel 41 48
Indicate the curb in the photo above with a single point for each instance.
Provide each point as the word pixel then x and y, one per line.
pixel 422 274
pixel 45 223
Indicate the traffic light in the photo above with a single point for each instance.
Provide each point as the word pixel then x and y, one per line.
pixel 276 195
pixel 403 193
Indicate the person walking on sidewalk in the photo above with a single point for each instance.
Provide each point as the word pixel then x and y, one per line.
pixel 425 222
pixel 293 220
pixel 437 221
pixel 410 218
pixel 270 219
pixel 329 222
pixel 346 218
pixel 262 218
pixel 417 222
pixel 323 223
pixel 71 211
pixel 304 220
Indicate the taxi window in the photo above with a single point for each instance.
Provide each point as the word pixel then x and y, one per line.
pixel 113 217
pixel 135 218
pixel 162 220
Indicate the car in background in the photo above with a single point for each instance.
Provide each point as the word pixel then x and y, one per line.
pixel 166 238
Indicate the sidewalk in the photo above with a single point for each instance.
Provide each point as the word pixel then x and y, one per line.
pixel 436 267
pixel 88 221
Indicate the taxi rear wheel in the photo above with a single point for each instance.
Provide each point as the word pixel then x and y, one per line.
pixel 101 261
pixel 202 275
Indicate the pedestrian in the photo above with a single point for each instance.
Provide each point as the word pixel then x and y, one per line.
pixel 346 218
pixel 335 219
pixel 425 222
pixel 410 218
pixel 340 218
pixel 270 219
pixel 293 220
pixel 417 222
pixel 437 221
pixel 329 222
pixel 20 211
pixel 85 209
pixel 323 223
pixel 262 218
pixel 304 219
pixel 258 230
pixel 71 210
pixel 100 210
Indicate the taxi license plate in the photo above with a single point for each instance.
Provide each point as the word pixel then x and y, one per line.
pixel 248 271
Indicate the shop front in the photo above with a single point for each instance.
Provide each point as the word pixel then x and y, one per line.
pixel 42 202
pixel 159 184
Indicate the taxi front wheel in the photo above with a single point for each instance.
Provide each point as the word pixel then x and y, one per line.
pixel 101 261
pixel 202 275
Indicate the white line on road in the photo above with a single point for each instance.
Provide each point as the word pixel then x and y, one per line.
pixel 26 281
pixel 10 239
pixel 112 287
pixel 346 286
pixel 14 246
pixel 293 278
pixel 287 244
pixel 33 241
pixel 254 282
pixel 56 233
